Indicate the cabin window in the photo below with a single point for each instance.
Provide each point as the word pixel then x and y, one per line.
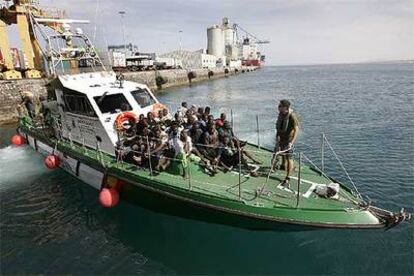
pixel 113 103
pixel 77 103
pixel 142 97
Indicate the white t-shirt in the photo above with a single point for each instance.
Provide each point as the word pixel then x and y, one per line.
pixel 189 144
pixel 178 145
pixel 182 110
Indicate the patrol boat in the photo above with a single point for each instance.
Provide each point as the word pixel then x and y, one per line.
pixel 89 107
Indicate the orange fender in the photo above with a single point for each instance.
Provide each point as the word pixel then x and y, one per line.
pixel 157 107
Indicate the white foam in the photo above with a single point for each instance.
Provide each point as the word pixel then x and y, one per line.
pixel 19 165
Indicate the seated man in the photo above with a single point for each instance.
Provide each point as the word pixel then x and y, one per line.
pixel 210 142
pixel 221 120
pixel 189 122
pixel 183 149
pixel 158 143
pixel 179 147
pixel 210 119
pixel 142 122
pixel 207 110
pixel 151 120
pixel 196 133
pixel 186 150
pixel 200 111
pixel 164 117
pixel 183 109
pixel 178 119
pixel 141 147
pixel 167 148
pixel 228 157
pixel 227 131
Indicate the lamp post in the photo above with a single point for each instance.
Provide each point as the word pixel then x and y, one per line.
pixel 163 47
pixel 122 14
pixel 180 39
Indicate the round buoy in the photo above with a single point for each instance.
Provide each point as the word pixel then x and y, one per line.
pixel 52 161
pixel 18 140
pixel 109 197
pixel 122 121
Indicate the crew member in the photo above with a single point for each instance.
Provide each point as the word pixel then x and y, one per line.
pixel 287 130
pixel 27 101
pixel 45 110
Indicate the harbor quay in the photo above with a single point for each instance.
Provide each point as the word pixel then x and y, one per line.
pixel 11 91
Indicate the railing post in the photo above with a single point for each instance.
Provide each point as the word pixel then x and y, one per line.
pixel 83 146
pixel 149 155
pixel 322 153
pixel 70 140
pixel 258 131
pixel 189 173
pixel 239 173
pixel 299 175
pixel 97 149
pixel 232 122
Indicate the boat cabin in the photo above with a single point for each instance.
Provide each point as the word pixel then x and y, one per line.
pixel 88 104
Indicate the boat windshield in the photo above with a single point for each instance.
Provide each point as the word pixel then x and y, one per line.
pixel 142 97
pixel 113 103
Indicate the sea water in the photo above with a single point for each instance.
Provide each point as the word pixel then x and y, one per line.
pixel 51 223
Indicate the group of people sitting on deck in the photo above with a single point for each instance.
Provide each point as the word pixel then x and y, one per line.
pixel 193 134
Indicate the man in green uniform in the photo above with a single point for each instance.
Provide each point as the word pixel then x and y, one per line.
pixel 287 129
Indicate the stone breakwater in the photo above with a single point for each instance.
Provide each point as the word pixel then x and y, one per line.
pixel 11 91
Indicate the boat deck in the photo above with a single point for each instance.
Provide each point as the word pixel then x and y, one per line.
pixel 226 185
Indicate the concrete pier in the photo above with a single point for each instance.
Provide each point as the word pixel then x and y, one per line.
pixel 10 91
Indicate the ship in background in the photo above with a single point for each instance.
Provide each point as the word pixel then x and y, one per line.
pixel 234 46
pixel 251 55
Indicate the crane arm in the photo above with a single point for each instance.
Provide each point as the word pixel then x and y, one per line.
pixel 258 41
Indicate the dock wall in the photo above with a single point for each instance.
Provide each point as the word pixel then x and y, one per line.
pixel 10 91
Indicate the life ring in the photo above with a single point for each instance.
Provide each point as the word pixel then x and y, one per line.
pixel 157 107
pixel 123 119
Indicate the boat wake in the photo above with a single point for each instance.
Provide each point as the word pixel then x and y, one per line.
pixel 18 165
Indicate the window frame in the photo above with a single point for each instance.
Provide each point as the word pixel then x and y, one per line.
pixel 112 111
pixel 77 103
pixel 138 89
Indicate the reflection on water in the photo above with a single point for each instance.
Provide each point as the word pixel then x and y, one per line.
pixel 52 223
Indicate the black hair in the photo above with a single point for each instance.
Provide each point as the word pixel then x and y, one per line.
pixel 285 103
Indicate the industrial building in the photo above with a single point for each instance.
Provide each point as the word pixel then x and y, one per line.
pixel 193 59
pixel 224 49
pixel 223 42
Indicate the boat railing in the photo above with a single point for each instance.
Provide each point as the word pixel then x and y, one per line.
pixel 300 156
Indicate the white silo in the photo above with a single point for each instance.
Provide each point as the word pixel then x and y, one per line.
pixel 228 32
pixel 228 36
pixel 215 41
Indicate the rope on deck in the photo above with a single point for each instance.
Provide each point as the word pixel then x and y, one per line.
pixel 343 168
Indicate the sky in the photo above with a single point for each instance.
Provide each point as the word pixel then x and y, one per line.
pixel 300 32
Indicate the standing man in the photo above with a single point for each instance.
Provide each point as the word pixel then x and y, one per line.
pixel 287 129
pixel 28 102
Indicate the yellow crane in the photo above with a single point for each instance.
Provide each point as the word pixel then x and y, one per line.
pixel 21 12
